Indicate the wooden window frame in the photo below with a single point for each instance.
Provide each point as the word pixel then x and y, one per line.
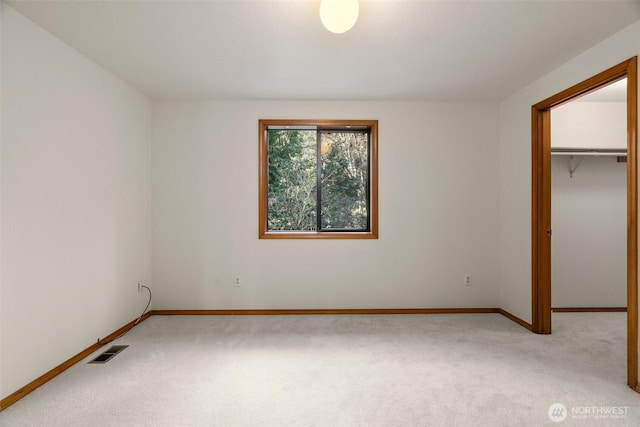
pixel 263 180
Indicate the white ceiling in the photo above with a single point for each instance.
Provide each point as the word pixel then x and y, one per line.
pixel 278 49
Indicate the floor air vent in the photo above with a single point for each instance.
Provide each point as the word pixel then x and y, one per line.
pixel 109 354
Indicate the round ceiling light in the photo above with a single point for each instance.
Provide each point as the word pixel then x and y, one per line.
pixel 338 16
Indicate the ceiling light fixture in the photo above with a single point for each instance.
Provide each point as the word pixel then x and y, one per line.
pixel 338 16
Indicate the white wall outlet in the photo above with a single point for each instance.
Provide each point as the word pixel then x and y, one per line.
pixel 237 282
pixel 467 280
pixel 139 286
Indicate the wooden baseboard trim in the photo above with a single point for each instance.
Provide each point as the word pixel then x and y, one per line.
pixel 22 392
pixel 323 311
pixel 636 388
pixel 589 310
pixel 343 311
pixel 516 319
pixel 19 394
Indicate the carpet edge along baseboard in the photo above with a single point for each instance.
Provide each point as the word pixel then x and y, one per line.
pixel 48 376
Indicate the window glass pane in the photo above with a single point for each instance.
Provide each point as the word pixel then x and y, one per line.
pixel 292 180
pixel 344 179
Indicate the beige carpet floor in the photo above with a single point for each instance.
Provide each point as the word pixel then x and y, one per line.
pixel 391 370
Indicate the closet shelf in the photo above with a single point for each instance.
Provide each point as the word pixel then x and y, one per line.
pixel 588 151
pixel 582 152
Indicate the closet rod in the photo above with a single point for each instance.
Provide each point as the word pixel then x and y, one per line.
pixel 583 152
pixel 588 153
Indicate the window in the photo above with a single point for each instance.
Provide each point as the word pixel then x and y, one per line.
pixel 318 179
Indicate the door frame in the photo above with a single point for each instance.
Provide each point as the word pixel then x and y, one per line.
pixel 541 203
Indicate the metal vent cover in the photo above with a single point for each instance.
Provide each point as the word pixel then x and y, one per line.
pixel 109 354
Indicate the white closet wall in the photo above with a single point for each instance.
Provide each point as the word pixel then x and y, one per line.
pixel 588 210
pixel 589 125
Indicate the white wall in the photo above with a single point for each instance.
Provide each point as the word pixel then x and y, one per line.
pixel 1 97
pixel 515 161
pixel 75 201
pixel 589 125
pixel 438 211
pixel 589 245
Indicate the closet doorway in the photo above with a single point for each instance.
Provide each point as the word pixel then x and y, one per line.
pixel 588 202
pixel 541 203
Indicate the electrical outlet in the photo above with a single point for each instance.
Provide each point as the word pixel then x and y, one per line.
pixel 467 280
pixel 237 282
pixel 139 286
